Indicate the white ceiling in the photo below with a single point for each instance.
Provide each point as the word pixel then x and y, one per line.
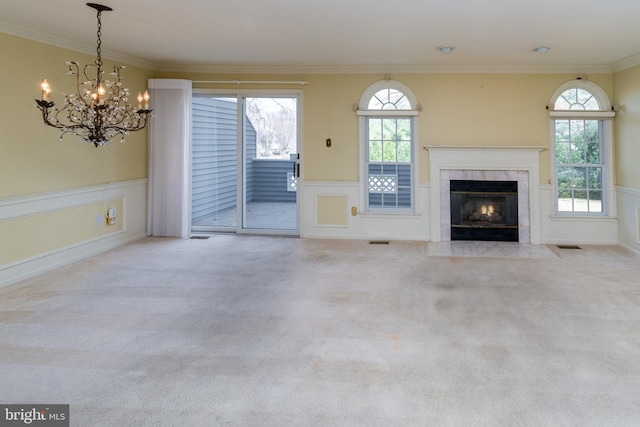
pixel 342 35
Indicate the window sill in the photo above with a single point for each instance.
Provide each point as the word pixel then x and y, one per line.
pixel 582 218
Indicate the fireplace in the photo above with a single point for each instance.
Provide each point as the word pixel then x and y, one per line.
pixel 484 210
pixel 504 163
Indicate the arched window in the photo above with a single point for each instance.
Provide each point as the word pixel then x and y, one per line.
pixel 581 144
pixel 387 113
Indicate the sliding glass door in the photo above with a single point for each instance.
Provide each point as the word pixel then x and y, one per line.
pixel 245 164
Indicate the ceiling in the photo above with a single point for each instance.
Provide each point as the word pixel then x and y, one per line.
pixel 342 35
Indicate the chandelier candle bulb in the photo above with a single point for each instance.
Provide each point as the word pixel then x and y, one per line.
pixel 146 99
pixel 139 101
pixel 46 90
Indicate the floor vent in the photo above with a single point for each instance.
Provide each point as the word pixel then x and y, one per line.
pixel 379 242
pixel 568 247
pixel 200 237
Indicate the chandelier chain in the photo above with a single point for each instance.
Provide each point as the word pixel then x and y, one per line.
pixel 99 44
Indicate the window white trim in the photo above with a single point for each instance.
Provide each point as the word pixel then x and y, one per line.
pixel 605 115
pixel 594 89
pixel 386 84
pixel 363 113
pixel 585 115
pixel 388 113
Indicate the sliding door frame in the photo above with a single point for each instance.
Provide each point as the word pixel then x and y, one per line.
pixel 241 95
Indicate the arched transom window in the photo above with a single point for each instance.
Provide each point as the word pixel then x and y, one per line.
pixel 576 99
pixel 389 99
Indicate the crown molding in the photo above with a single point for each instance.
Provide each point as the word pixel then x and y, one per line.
pixel 628 62
pixel 90 49
pixel 384 69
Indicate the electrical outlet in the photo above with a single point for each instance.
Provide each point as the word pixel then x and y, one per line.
pixel 98 219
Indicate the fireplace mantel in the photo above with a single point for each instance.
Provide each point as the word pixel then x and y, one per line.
pixel 475 160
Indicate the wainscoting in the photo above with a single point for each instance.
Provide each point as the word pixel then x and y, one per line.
pixel 46 231
pixel 628 203
pixel 326 213
pixel 320 202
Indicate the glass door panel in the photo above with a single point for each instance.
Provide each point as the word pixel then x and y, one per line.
pixel 214 164
pixel 271 168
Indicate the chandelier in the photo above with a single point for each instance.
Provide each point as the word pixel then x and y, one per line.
pixel 98 111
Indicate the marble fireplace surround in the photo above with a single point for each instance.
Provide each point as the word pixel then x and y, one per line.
pixel 499 163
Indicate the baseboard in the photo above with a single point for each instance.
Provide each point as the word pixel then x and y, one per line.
pixel 31 267
pixel 629 249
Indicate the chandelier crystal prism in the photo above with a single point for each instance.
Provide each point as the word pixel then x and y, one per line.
pixel 99 111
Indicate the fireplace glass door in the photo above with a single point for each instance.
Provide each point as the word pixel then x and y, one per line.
pixel 484 210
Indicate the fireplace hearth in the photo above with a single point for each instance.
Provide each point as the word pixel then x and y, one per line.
pixel 484 210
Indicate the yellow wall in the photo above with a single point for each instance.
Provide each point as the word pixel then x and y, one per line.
pixel 458 109
pixel 627 126
pixel 32 159
pixel 29 235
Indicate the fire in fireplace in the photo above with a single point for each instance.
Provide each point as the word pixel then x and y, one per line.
pixel 484 210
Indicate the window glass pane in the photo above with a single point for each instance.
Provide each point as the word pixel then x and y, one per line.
pixel 562 130
pixel 375 103
pixel 404 129
pixel 404 175
pixel 579 177
pixel 594 178
pixel 570 95
pixel 389 151
pixel 595 201
pixel 375 151
pixel 390 170
pixel 404 151
pixel 580 201
pixel 583 96
pixel 375 129
pixel 562 104
pixel 578 150
pixel 404 197
pixel 389 129
pixel 565 200
pixel 592 104
pixel 577 130
pixel 395 96
pixel 563 153
pixel 593 153
pixel 565 178
pixel 591 130
pixel 375 200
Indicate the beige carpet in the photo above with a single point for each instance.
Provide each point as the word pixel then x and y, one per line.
pixel 265 331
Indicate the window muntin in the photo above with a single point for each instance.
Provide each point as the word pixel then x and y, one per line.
pixel 389 162
pixel 389 99
pixel 579 166
pixel 577 99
